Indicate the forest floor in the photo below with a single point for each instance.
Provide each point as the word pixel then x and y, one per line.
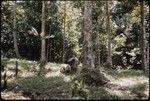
pixel 124 83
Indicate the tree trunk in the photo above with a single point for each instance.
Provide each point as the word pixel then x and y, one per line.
pixel 98 50
pixel 87 48
pixel 63 51
pixel 50 31
pixel 47 50
pixel 16 69
pixel 109 54
pixel 148 54
pixel 43 45
pixel 143 46
pixel 14 32
pixel 5 81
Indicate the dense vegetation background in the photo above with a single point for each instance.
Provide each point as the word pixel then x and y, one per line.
pixel 109 38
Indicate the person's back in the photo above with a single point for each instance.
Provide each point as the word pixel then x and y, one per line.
pixel 73 62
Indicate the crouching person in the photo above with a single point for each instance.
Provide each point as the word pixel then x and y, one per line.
pixel 71 67
pixel 73 62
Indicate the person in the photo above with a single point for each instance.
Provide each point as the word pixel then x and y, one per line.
pixel 73 62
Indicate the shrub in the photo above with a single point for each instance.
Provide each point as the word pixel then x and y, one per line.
pixel 92 77
pixel 139 90
pixel 3 63
pixel 79 90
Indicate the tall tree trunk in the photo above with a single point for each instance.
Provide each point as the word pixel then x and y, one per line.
pixel 48 40
pixel 14 32
pixel 43 45
pixel 16 69
pixel 109 54
pixel 47 47
pixel 98 50
pixel 148 54
pixel 87 48
pixel 143 46
pixel 63 51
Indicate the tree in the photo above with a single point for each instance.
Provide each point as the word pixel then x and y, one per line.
pixel 96 29
pixel 87 43
pixel 14 31
pixel 63 51
pixel 109 54
pixel 50 30
pixel 143 46
pixel 98 50
pixel 43 45
pixel 147 54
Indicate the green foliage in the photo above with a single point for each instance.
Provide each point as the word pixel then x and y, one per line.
pixel 128 73
pixel 24 65
pixel 146 72
pixel 79 90
pixel 55 87
pixel 3 63
pixel 138 90
pixel 28 66
pixel 119 73
pixel 91 77
pixel 125 28
pixel 99 93
pixel 124 21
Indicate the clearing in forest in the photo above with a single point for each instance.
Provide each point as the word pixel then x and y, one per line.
pixel 124 84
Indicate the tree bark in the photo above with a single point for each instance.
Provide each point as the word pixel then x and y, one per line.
pixel 87 44
pixel 63 51
pixel 148 54
pixel 14 32
pixel 50 31
pixel 143 46
pixel 43 45
pixel 98 50
pixel 109 54
pixel 16 69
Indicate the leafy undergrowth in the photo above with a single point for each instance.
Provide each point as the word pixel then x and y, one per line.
pixel 39 87
pixel 124 84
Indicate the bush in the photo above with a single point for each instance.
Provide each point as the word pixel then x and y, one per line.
pixel 100 93
pixel 3 63
pixel 139 90
pixel 79 90
pixel 92 77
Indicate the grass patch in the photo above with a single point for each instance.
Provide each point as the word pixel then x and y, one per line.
pixel 56 88
pixel 101 93
pixel 116 73
pixel 23 64
pixel 138 87
pixel 139 90
pixel 146 73
pixel 41 83
pixel 53 87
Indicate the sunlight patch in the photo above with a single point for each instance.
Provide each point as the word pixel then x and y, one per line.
pixel 131 81
pixel 54 66
pixel 116 92
pixel 52 74
pixel 67 78
pixel 12 96
pixel 26 74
